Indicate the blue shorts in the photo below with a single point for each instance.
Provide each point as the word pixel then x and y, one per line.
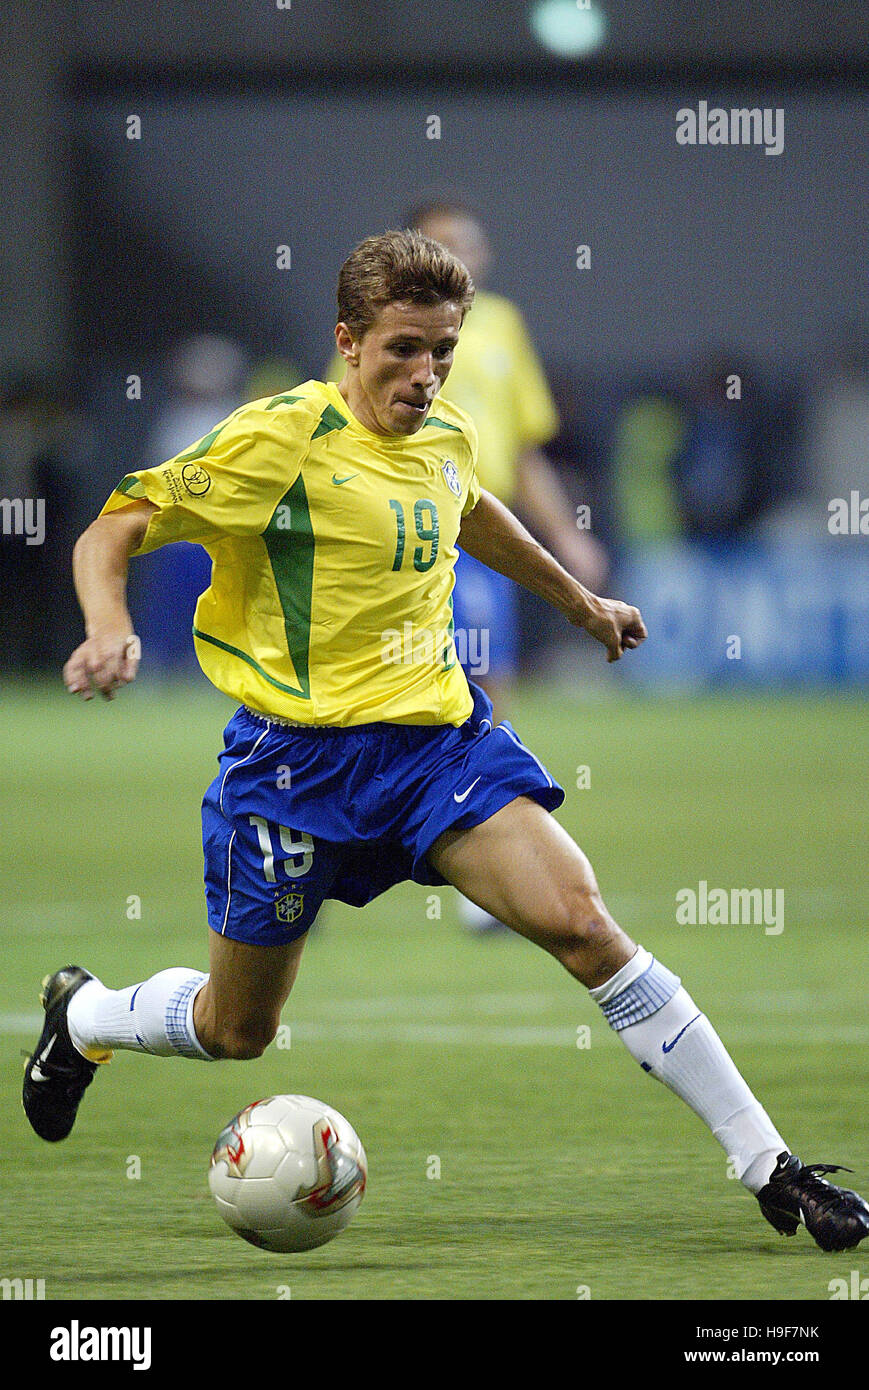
pixel 485 615
pixel 296 816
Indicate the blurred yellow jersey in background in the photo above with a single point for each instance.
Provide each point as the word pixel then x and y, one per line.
pixel 332 555
pixel 498 379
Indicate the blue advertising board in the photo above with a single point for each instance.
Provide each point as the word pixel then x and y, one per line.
pixel 791 613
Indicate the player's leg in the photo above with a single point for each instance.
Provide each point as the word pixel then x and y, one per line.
pixel 523 866
pixel 260 906
pixel 238 1009
pixel 258 928
pixel 259 919
pixel 232 1012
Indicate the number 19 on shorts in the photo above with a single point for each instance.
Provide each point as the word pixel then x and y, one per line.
pixel 296 845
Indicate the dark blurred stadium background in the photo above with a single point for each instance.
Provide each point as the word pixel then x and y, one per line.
pixel 143 297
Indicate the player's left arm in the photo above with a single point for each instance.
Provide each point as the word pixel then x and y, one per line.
pixel 493 535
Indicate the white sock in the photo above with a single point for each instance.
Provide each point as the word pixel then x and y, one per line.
pixel 663 1029
pixel 155 1016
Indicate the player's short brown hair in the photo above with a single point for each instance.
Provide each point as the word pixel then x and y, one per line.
pixel 398 266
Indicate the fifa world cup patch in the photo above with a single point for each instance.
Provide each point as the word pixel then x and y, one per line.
pixel 451 474
pixel 195 479
pixel 290 907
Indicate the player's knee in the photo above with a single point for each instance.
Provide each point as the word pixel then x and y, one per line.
pixel 241 1040
pixel 244 1047
pixel 581 929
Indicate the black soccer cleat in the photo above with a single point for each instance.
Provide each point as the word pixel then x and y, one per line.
pixel 56 1076
pixel 835 1217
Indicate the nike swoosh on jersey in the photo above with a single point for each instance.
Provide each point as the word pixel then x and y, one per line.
pixel 338 481
pixel 668 1047
pixel 463 796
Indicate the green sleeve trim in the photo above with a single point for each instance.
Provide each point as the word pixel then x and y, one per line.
pixel 131 486
pixel 201 449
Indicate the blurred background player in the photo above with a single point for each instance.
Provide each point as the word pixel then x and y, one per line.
pixel 499 379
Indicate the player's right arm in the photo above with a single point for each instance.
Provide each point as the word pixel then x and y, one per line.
pixel 109 656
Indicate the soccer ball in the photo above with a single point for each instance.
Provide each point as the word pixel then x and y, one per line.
pixel 288 1173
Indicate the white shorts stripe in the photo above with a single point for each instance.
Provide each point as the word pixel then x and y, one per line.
pixel 499 729
pixel 241 763
pixel 228 883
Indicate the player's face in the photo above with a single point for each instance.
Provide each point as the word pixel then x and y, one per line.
pixel 397 368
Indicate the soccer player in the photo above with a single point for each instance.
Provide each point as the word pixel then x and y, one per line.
pixel 332 515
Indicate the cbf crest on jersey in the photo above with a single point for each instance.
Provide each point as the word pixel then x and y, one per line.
pixel 451 473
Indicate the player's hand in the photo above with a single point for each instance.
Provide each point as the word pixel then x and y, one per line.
pixel 617 625
pixel 102 664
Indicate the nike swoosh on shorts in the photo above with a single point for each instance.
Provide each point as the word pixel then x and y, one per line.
pixel 465 794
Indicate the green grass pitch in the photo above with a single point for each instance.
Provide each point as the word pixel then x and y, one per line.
pixel 515 1150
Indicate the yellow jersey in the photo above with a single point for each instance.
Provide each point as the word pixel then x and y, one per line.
pixel 332 554
pixel 498 379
